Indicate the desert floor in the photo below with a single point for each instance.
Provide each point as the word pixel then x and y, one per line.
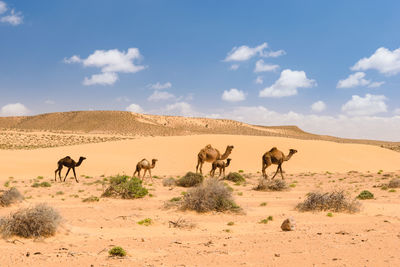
pixel 370 237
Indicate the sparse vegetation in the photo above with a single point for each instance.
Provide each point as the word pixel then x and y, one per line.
pixel 394 183
pixel 190 179
pixel 329 214
pixel 365 195
pixel 145 222
pixel 117 252
pixel 10 196
pixel 211 195
pixel 38 221
pixel 235 177
pixel 181 223
pixel 91 199
pixel 175 199
pixel 125 187
pixel 273 185
pixel 333 201
pixel 169 182
pixel 263 204
pixel 42 184
pixel 392 190
pixel 230 223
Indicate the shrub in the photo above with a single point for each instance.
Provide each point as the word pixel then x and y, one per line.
pixel 91 199
pixel 169 182
pixel 38 221
pixel 329 214
pixel 211 195
pixel 273 185
pixel 146 222
pixel 235 177
pixel 190 179
pixel 42 184
pixel 365 195
pixel 394 183
pixel 10 196
pixel 117 251
pixel 334 201
pixel 125 187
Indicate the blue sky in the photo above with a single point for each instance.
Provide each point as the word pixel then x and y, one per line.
pixel 328 67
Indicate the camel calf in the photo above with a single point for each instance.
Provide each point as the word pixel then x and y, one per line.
pixel 221 165
pixel 145 164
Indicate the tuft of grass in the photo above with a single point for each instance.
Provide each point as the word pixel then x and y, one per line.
pixel 292 185
pixel 235 177
pixel 365 195
pixel 227 230
pixel 39 177
pixel 333 201
pixel 175 199
pixel 91 199
pixel 190 179
pixel 38 221
pixel 230 223
pixel 263 204
pixel 392 190
pixel 169 182
pixel 240 171
pixel 329 214
pixel 42 184
pixel 125 187
pixel 117 252
pixel 59 193
pixel 274 185
pixel 145 222
pixel 212 195
pixel 263 221
pixel 10 196
pixel 7 184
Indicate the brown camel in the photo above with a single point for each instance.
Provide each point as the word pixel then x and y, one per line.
pixel 70 164
pixel 210 154
pixel 145 164
pixel 221 165
pixel 275 156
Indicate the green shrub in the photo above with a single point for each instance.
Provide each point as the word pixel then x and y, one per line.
pixel 235 177
pixel 190 179
pixel 230 223
pixel 91 199
pixel 329 214
pixel 365 195
pixel 42 184
pixel 145 222
pixel 125 187
pixel 262 204
pixel 117 251
pixel 175 199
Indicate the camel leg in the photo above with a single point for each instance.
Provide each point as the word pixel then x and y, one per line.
pixel 224 171
pixel 277 169
pixel 220 172
pixel 144 173
pixel 73 169
pixel 67 174
pixel 265 164
pixel 280 168
pixel 198 164
pixel 151 177
pixel 201 167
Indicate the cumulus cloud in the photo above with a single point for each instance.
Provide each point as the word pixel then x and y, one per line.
pixel 244 52
pixel 375 84
pixel 318 106
pixel 259 80
pixel 356 79
pixel 16 109
pixel 263 67
pixel 365 106
pixel 274 53
pixel 160 95
pixel 287 84
pixel 383 60
pixel 13 18
pixel 160 86
pixel 234 67
pixel 106 78
pixel 179 108
pixel 397 111
pixel 135 108
pixel 233 95
pixel 110 63
pixel 3 7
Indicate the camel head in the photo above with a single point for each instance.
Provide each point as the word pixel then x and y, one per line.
pixel 229 148
pixel 153 161
pixel 228 160
pixel 292 151
pixel 82 159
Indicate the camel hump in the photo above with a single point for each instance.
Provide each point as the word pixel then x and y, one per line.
pixel 273 149
pixel 67 157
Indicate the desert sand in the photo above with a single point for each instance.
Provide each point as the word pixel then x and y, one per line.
pixel 370 237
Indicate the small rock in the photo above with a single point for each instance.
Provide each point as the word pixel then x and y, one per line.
pixel 28 254
pixel 277 255
pixel 37 253
pixel 289 224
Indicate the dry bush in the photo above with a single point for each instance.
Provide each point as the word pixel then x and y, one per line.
pixel 181 223
pixel 190 179
pixel 335 201
pixel 394 183
pixel 38 221
pixel 209 196
pixel 10 196
pixel 169 182
pixel 273 185
pixel 125 187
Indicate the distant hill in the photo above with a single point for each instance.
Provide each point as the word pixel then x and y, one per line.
pixel 135 124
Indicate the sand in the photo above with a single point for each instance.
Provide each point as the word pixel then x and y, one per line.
pixel 368 238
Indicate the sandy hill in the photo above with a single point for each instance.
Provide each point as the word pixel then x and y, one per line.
pixel 135 124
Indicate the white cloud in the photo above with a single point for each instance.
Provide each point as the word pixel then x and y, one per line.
pixel 15 18
pixel 160 95
pixel 234 67
pixel 233 95
pixel 16 109
pixel 365 106
pixel 49 102
pixel 287 84
pixel 135 108
pixel 397 111
pixel 262 67
pixel 383 60
pixel 318 106
pixel 243 53
pixel 356 79
pixel 106 78
pixel 122 99
pixel 160 86
pixel 179 108
pixel 3 7
pixel 375 84
pixel 274 53
pixel 259 80
pixel 110 62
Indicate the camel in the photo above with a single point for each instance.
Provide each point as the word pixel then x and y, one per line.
pixel 145 164
pixel 275 156
pixel 210 154
pixel 70 164
pixel 221 165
